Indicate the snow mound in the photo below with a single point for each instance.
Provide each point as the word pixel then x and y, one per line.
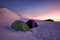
pixel 7 17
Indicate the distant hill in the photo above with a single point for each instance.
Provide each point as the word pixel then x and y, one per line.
pixel 7 16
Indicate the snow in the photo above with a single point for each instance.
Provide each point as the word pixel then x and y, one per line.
pixel 44 31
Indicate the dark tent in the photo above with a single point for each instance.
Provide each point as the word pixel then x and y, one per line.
pixel 20 26
pixel 31 24
pixel 49 20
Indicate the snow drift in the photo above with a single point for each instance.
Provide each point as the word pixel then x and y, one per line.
pixel 7 17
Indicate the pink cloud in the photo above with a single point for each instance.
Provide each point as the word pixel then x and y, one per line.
pixel 28 11
pixel 52 14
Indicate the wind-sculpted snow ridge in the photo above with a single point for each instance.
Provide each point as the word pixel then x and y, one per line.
pixel 45 31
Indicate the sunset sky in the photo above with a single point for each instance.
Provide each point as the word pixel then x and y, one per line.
pixel 35 9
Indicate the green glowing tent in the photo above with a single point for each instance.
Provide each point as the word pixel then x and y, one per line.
pixel 19 25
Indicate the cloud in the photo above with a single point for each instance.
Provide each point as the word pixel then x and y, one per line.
pixel 28 13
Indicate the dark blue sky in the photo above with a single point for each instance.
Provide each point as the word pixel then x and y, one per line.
pixel 29 7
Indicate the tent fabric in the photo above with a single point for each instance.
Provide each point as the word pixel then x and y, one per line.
pixel 31 24
pixel 19 25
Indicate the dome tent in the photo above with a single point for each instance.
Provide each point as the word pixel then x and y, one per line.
pixel 19 25
pixel 49 20
pixel 31 24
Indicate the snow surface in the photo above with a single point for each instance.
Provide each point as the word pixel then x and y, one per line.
pixel 45 31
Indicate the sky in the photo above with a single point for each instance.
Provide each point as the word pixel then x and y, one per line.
pixel 35 9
